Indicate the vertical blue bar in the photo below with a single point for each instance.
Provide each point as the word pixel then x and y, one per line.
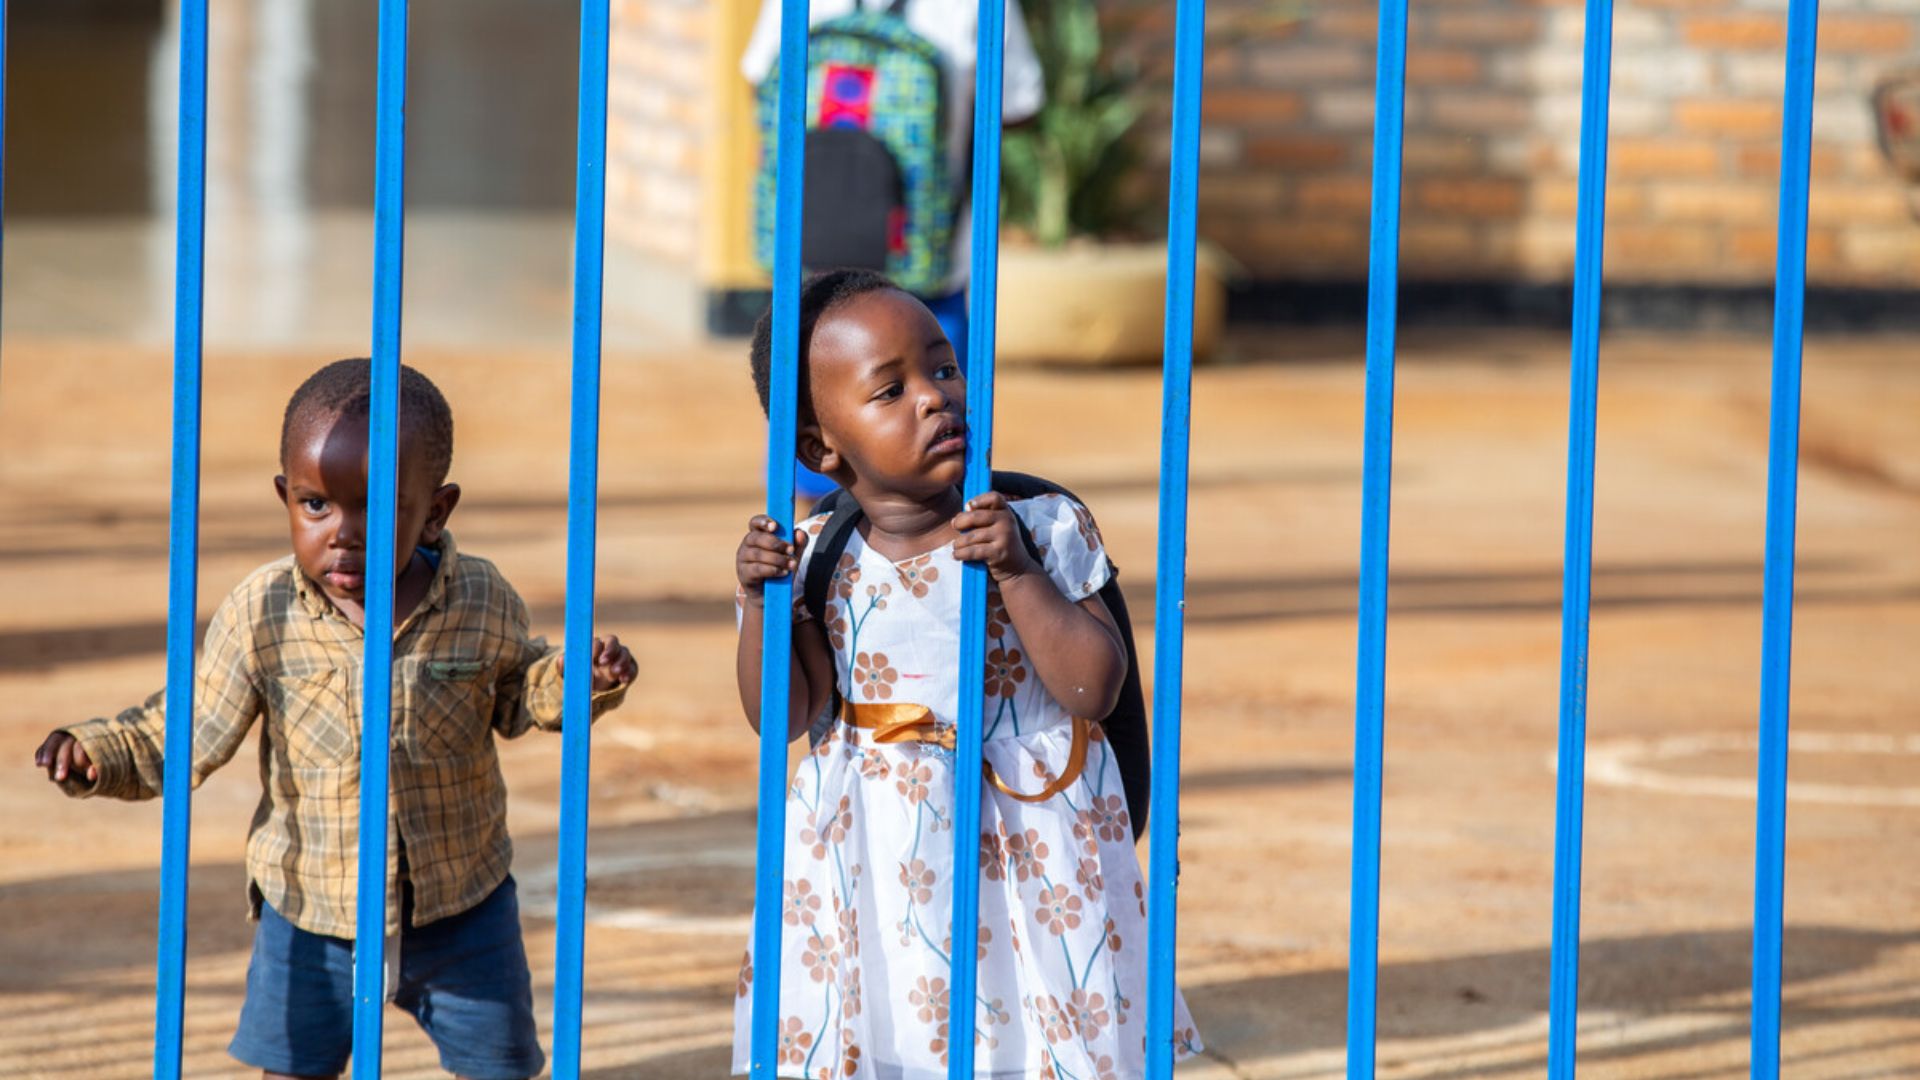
pixel 1170 575
pixel 989 48
pixel 583 485
pixel 389 234
pixel 1783 462
pixel 777 641
pixel 1383 275
pixel 1577 564
pixel 183 542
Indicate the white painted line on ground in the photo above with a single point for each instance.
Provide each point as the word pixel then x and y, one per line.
pixel 1630 763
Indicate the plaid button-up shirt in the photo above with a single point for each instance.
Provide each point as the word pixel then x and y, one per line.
pixel 464 669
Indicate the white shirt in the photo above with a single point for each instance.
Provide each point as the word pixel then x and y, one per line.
pixel 950 26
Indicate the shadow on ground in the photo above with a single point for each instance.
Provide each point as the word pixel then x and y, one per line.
pixel 59 932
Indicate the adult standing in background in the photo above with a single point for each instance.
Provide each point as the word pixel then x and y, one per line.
pixel 950 27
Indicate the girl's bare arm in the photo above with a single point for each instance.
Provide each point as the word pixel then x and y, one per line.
pixel 763 556
pixel 1075 648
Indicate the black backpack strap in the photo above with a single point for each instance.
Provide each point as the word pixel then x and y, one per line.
pixel 1125 727
pixel 843 516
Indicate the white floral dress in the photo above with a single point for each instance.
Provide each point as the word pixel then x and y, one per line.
pixel 864 971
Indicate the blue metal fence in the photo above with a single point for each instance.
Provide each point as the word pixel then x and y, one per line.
pixel 589 240
pixel 1169 608
pixel 183 542
pixel 1376 501
pixel 1783 464
pixel 1170 601
pixel 1577 563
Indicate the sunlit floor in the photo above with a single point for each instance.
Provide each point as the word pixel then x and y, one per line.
pixel 1471 692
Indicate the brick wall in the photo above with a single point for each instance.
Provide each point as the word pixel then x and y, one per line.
pixel 1493 117
pixel 656 111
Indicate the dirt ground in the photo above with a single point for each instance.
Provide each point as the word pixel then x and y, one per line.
pixel 1471 694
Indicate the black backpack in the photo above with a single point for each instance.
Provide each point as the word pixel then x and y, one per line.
pixel 1125 726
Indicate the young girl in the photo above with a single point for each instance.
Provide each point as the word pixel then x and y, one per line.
pixel 865 968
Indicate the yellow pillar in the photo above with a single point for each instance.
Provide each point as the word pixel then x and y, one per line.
pixel 731 155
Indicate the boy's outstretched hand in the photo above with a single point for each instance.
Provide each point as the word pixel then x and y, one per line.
pixel 62 757
pixel 613 664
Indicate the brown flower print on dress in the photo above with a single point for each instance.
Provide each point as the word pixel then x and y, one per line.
pixel 830 829
pixel 849 1053
pixel 982 940
pixel 874 676
pixel 1053 1019
pixel 1083 835
pixel 917 573
pixel 917 877
pixel 744 985
pixel 1006 670
pixel 820 959
pixel 1059 910
pixel 992 861
pixel 850 993
pixel 1088 875
pixel 846 574
pixel 795 1041
pixel 929 998
pixel 847 930
pixel 1108 818
pixel 997 619
pixel 1088 1011
pixel 913 781
pixel 803 904
pixel 1026 852
pixel 1083 519
pixel 835 618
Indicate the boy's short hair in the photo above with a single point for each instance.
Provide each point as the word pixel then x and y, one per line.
pixel 345 388
pixel 819 295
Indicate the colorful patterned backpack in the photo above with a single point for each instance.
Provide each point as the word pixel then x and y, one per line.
pixel 879 192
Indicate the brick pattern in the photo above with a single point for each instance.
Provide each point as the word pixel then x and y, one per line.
pixel 655 125
pixel 1492 151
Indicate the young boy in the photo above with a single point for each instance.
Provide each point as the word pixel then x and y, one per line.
pixel 286 646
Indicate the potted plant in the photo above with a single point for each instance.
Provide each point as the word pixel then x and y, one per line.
pixel 1081 280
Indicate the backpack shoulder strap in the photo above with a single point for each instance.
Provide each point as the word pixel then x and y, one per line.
pixel 843 516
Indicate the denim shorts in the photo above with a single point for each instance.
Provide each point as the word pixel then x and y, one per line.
pixel 463 978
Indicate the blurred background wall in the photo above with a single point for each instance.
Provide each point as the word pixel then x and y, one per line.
pixel 1491 155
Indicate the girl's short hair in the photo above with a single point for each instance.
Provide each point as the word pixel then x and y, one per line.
pixel 819 295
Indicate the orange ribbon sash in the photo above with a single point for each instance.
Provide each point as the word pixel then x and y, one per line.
pixel 900 722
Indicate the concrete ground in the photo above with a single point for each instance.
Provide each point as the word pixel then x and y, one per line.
pixel 1471 693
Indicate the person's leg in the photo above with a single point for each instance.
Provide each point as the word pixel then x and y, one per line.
pixel 465 979
pixel 297 1020
pixel 951 311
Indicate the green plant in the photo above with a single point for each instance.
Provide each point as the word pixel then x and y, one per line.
pixel 1066 173
pixel 1073 171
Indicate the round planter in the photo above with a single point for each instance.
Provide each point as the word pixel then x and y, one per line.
pixel 1097 303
